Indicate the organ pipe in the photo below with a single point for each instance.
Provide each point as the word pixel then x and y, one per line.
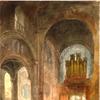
pixel 76 66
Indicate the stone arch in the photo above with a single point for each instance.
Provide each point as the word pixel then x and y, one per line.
pixel 23 62
pixel 27 60
pixel 61 23
pixel 56 40
pixel 92 26
pixel 18 58
pixel 17 35
pixel 74 13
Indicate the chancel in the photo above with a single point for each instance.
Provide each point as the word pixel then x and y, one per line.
pixel 49 50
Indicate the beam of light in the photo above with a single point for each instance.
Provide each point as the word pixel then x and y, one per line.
pixel 8 87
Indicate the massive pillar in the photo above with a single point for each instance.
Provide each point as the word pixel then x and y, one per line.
pixel 14 87
pixel 34 82
pixel 2 92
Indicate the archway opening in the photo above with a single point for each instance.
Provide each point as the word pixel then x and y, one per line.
pixel 24 85
pixel 17 85
pixel 8 86
pixel 71 37
pixel 15 52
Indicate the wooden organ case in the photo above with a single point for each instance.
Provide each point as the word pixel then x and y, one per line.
pixel 76 72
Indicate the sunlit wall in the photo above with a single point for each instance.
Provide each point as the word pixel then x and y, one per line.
pixel 77 97
pixel 24 86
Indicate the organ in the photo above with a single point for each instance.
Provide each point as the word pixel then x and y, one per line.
pixel 76 71
pixel 76 67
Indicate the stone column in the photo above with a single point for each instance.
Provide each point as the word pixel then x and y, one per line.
pixel 14 87
pixel 2 92
pixel 34 82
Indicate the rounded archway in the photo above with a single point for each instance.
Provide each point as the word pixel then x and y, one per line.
pixel 14 67
pixel 71 36
pixel 15 53
pixel 68 32
pixel 72 31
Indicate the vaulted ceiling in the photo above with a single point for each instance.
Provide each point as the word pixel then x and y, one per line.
pixel 68 32
pixel 39 8
pixel 62 33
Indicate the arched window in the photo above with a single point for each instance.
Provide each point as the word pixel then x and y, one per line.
pixel 8 87
pixel 19 19
pixel 24 86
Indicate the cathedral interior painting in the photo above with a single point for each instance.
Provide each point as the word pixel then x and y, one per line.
pixel 49 50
